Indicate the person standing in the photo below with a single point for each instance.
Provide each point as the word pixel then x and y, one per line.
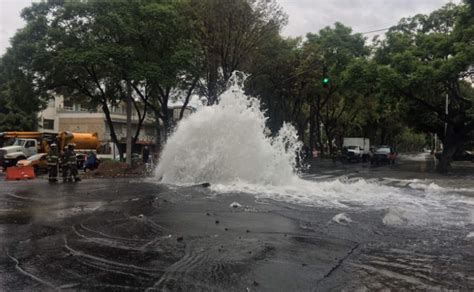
pixel 65 165
pixel 91 161
pixel 53 159
pixel 72 161
pixel 146 155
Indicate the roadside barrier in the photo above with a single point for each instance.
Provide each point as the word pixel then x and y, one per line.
pixel 18 173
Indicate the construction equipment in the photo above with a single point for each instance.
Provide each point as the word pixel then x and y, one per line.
pixel 26 144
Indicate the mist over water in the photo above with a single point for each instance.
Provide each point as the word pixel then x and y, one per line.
pixel 226 145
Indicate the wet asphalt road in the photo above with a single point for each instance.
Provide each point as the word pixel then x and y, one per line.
pixel 133 234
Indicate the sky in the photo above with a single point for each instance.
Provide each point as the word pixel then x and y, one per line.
pixel 303 15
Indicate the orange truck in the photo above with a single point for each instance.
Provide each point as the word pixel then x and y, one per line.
pixel 21 145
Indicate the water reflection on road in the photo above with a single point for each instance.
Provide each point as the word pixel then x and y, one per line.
pixel 130 234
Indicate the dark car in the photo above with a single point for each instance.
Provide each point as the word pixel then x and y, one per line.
pixel 383 154
pixel 461 155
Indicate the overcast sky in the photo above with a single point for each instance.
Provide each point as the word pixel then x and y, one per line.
pixel 304 15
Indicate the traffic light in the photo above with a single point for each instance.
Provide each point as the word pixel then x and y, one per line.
pixel 325 82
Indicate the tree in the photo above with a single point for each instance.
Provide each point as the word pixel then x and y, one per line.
pixel 426 59
pixel 229 32
pixel 21 97
pixel 274 79
pixel 93 51
pixel 19 102
pixel 336 48
pixel 164 57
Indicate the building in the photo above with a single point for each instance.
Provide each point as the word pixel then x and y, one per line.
pixel 63 115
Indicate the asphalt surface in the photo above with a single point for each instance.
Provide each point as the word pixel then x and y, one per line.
pixel 135 234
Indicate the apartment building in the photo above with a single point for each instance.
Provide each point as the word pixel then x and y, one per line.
pixel 63 115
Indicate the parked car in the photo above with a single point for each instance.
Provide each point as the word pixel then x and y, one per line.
pixel 356 149
pixel 461 155
pixel 383 154
pixel 352 153
pixel 38 161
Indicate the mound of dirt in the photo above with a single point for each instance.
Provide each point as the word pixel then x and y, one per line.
pixel 111 168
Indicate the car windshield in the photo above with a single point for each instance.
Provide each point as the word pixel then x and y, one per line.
pixel 383 150
pixel 35 157
pixel 352 147
pixel 18 142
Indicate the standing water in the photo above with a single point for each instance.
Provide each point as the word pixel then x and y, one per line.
pixel 226 145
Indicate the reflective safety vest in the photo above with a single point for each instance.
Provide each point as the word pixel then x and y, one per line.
pixel 52 157
pixel 71 157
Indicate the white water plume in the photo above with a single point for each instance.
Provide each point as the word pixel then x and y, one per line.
pixel 225 145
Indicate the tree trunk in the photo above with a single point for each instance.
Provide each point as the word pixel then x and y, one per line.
pixel 311 127
pixel 129 127
pixel 450 146
pixel 113 136
pixel 329 136
pixel 319 137
pixel 158 129
pixel 188 97
pixel 301 128
pixel 141 119
pixel 383 134
pixel 212 79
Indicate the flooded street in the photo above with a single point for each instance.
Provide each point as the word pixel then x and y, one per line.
pixel 138 235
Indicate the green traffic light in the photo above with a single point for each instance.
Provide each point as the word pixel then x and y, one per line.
pixel 326 80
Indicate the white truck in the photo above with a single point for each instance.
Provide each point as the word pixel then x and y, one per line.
pixel 21 145
pixel 356 149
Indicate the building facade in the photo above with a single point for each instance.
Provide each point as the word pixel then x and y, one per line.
pixel 61 115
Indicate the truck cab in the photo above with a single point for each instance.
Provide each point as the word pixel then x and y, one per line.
pixel 20 149
pixel 356 149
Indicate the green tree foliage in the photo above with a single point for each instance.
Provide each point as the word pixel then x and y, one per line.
pixel 229 32
pixel 97 52
pixel 20 94
pixel 289 78
pixel 392 91
pixel 426 59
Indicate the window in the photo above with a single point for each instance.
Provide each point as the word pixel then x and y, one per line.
pixel 30 144
pixel 176 114
pixel 68 105
pixel 48 124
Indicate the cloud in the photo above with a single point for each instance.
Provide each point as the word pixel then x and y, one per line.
pixel 304 15
pixel 362 15
pixel 10 20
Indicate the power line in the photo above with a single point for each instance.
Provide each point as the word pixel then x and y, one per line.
pixel 376 30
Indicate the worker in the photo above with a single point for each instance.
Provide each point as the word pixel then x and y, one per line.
pixel 146 155
pixel 65 165
pixel 53 165
pixel 91 161
pixel 72 161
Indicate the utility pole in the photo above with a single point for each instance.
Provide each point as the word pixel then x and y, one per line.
pixel 446 111
pixel 128 159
